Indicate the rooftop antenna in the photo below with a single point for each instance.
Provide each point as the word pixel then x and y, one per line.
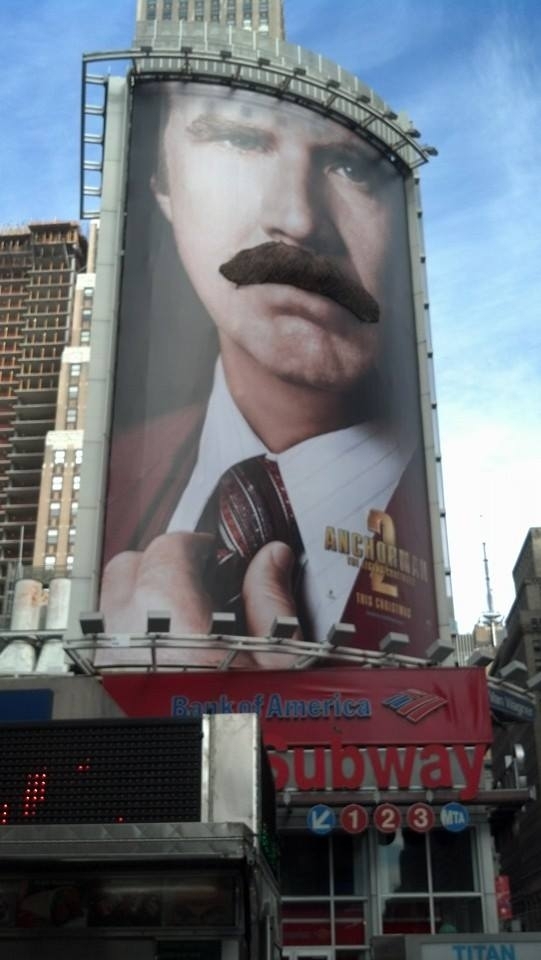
pixel 491 617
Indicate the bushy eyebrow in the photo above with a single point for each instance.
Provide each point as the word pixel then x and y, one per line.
pixel 208 127
pixel 344 151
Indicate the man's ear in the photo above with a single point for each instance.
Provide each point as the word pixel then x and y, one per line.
pixel 163 199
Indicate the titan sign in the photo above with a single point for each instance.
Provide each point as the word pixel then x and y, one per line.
pixel 339 729
pixel 266 454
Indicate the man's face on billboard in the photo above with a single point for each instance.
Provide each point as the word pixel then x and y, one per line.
pixel 242 171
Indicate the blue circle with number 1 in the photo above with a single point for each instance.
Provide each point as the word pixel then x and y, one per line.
pixel 321 819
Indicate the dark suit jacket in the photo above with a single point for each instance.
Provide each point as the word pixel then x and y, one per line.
pixel 151 466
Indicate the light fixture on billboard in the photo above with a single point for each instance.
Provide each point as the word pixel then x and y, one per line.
pixel 223 624
pixel 299 71
pixel 226 54
pixel 414 132
pixel 284 628
pixel 263 62
pixel 186 50
pixel 534 683
pixel 394 643
pixel 480 658
pixel 438 651
pixel 158 621
pixel 430 151
pixel 515 672
pixel 92 624
pixel 390 115
pixel 333 87
pixel 364 98
pixel 340 633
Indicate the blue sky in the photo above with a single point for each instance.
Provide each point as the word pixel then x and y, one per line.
pixel 468 72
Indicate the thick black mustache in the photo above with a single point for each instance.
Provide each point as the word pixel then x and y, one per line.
pixel 297 267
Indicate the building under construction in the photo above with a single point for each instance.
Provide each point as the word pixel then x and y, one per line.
pixel 39 264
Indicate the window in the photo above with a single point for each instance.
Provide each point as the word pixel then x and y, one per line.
pixel 183 10
pixel 54 508
pixel 151 9
pixel 87 314
pixel 76 483
pixel 71 534
pixel 167 9
pixel 247 13
pixel 85 337
pixel 74 507
pixel 231 13
pixel 215 11
pixel 52 535
pixel 89 291
pixel 71 418
pixel 59 456
pixel 50 562
pixel 73 391
pixel 56 483
pixel 199 10
pixel 75 371
pixel 69 561
pixel 78 456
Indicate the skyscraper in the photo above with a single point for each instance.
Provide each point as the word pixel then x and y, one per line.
pixel 38 268
pixel 263 16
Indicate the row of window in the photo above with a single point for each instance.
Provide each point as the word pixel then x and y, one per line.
pixel 59 456
pixel 168 9
pixel 50 561
pixel 53 533
pixel 57 482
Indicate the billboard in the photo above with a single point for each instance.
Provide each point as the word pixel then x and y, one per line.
pixel 266 446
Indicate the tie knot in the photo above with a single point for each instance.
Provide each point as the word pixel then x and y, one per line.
pixel 254 508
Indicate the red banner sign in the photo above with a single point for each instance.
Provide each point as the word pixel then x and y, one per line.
pixel 317 707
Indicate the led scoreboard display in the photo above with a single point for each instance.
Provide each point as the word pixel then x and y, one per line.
pixel 100 771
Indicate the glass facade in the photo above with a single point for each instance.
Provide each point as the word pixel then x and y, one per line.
pixel 341 890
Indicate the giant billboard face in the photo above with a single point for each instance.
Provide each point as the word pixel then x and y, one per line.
pixel 266 454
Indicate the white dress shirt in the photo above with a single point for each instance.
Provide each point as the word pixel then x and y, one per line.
pixel 331 480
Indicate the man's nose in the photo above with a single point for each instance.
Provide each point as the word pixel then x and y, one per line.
pixel 295 208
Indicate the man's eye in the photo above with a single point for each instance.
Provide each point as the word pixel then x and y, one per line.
pixel 244 141
pixel 350 169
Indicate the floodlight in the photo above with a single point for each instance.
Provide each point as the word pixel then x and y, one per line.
pixel 534 683
pixel 394 643
pixel 284 628
pixel 223 624
pixel 480 658
pixel 92 624
pixel 514 672
pixel 438 651
pixel 340 633
pixel 158 621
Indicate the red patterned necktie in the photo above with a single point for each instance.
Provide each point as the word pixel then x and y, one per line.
pixel 248 509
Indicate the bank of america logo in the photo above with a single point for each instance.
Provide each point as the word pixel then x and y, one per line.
pixel 414 705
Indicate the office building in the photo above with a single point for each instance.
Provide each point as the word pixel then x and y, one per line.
pixel 263 16
pixel 517 746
